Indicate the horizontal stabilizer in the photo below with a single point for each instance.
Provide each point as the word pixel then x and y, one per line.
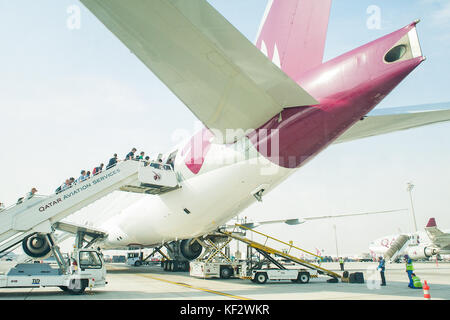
pixel 381 121
pixel 217 72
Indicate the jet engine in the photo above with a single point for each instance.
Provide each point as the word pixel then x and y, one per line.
pixel 190 249
pixel 421 252
pixel 36 246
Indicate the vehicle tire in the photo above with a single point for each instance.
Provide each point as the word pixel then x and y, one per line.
pixel 64 288
pixel 226 273
pixel 303 277
pixel 138 263
pixel 77 290
pixel 261 277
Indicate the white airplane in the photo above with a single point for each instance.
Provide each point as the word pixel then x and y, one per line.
pixel 267 109
pixel 420 245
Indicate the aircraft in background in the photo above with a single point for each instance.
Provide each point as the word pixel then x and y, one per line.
pixel 420 245
pixel 267 110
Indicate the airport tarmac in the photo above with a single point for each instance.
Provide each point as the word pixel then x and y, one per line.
pixel 151 282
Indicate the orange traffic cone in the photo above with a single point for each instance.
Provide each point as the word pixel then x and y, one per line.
pixel 426 292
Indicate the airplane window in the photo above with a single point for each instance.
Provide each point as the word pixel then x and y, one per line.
pixel 395 53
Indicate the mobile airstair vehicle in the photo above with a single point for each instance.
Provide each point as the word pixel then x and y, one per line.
pixel 32 223
pixel 215 263
pixel 84 268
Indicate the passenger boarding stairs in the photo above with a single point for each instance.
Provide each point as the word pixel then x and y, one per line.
pixel 40 214
pixel 284 254
pixel 396 248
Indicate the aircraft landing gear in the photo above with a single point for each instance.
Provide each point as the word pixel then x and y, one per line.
pixel 177 261
pixel 175 265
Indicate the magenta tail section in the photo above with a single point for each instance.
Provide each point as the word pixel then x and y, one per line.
pixel 293 34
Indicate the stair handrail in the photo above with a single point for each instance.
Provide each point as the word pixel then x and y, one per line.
pixel 280 241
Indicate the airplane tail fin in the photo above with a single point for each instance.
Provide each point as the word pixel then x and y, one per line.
pixel 432 229
pixel 293 33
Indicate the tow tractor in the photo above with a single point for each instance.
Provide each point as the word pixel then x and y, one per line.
pixel 261 276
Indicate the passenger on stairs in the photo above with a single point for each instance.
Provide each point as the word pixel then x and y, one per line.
pixel 98 169
pixel 65 185
pixel 82 176
pixel 147 161
pixel 88 175
pixel 130 155
pixel 170 163
pixel 140 156
pixel 161 165
pixel 2 206
pixel 31 193
pixel 112 162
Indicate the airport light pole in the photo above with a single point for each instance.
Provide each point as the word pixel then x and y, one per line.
pixel 335 239
pixel 409 188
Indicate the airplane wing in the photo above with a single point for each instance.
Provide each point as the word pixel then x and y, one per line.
pixel 206 62
pixel 296 221
pixel 381 121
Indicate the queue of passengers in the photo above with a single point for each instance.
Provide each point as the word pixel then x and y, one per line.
pixel 85 175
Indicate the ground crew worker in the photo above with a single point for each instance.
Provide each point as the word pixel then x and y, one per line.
pixel 381 267
pixel 341 263
pixel 409 271
pixel 417 284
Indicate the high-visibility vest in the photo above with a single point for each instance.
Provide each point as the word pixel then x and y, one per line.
pixel 416 282
pixel 409 267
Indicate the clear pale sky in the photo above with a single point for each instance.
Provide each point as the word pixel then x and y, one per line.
pixel 69 99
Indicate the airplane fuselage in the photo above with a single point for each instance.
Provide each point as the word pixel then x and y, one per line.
pixel 218 181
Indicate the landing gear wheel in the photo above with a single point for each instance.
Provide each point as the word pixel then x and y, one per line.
pixel 172 266
pixel 261 277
